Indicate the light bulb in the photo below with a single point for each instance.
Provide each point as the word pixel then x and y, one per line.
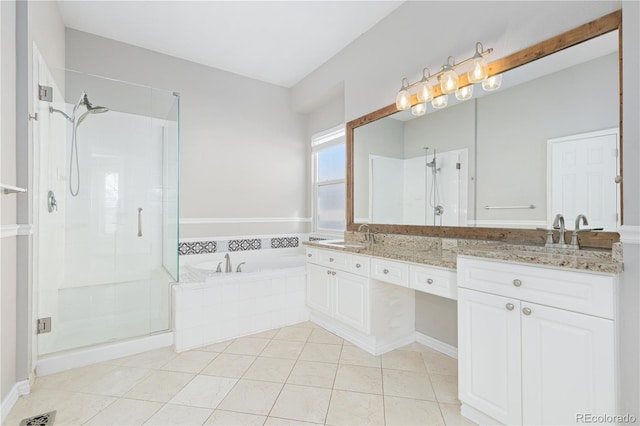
pixel 449 81
pixel 440 101
pixel 403 100
pixel 479 70
pixel 425 92
pixel 492 83
pixel 419 109
pixel 464 93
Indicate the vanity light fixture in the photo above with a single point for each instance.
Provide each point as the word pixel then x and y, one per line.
pixel 449 81
pixel 419 109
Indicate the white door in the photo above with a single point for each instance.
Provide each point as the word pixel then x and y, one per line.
pixel 582 171
pixel 489 355
pixel 319 292
pixel 352 300
pixel 568 365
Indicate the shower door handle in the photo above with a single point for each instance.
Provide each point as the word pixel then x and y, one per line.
pixel 139 221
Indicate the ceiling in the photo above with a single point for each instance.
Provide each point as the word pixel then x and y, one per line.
pixel 278 42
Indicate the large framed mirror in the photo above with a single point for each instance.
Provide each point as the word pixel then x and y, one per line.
pixel 500 165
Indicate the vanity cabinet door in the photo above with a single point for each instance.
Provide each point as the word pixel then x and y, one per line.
pixel 568 361
pixel 320 288
pixel 489 355
pixel 352 300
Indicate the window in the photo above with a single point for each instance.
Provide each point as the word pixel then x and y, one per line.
pixel 329 187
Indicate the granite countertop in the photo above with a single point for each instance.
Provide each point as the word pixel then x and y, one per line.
pixel 444 254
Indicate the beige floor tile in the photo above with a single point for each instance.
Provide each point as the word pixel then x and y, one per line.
pixel 160 386
pixel 353 355
pixel 68 379
pixel 353 408
pixel 229 365
pixel 204 392
pixel 445 388
pixel 71 407
pixel 438 363
pixel 283 349
pixel 126 412
pixel 151 359
pixel 403 360
pixel 179 415
pixel 247 346
pixel 276 421
pixel 190 362
pixel 452 416
pixel 306 324
pixel 359 379
pixel 270 369
pixel 408 384
pixel 321 352
pixel 318 335
pixel 311 373
pixel 304 403
pixel 109 380
pixel 293 334
pixel 230 418
pixel 217 347
pixel 404 411
pixel 253 397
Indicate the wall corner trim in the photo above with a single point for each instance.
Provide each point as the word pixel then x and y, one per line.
pixel 437 345
pixel 629 234
pixel 19 389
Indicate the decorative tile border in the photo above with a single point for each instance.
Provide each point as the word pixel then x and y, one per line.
pixel 238 244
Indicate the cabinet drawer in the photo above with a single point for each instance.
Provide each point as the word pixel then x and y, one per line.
pixel 360 265
pixel 335 259
pixel 432 280
pixel 576 291
pixel 390 272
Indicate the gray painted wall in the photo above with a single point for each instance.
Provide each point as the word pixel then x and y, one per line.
pixel 243 151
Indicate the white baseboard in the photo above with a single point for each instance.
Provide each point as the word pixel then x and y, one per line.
pixel 19 389
pixel 72 359
pixel 436 344
pixel 629 234
pixel 477 416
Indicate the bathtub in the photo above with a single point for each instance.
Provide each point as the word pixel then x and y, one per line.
pixel 210 306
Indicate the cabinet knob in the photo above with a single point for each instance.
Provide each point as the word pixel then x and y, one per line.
pixel 358 265
pixel 429 281
pixel 331 259
pixel 328 272
pixel 517 283
pixel 385 271
pixel 333 273
pixel 510 306
pixel 309 255
pixel 526 311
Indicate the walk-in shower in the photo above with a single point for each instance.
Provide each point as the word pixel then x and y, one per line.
pixel 105 252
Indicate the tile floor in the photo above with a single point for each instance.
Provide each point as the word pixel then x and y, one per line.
pixel 300 375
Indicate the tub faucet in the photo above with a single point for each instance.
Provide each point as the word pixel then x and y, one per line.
pixel 558 223
pixel 227 267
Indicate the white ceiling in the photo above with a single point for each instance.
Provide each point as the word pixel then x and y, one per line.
pixel 278 42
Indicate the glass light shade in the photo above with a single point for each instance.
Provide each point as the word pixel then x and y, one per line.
pixel 464 93
pixel 449 82
pixel 479 70
pixel 440 101
pixel 419 109
pixel 492 83
pixel 403 100
pixel 425 92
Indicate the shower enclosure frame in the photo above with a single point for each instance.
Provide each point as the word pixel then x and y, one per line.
pixel 78 355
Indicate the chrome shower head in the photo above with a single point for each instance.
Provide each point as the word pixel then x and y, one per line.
pixel 91 109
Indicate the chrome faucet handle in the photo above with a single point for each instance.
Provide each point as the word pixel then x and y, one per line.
pixel 219 268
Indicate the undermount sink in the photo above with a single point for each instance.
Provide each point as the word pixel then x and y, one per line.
pixel 344 244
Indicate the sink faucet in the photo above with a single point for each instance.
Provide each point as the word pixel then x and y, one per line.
pixel 574 237
pixel 558 223
pixel 227 267
pixel 369 236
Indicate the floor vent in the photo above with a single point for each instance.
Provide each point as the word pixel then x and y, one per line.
pixel 45 419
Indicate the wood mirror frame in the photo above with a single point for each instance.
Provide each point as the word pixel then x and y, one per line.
pixel 595 28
